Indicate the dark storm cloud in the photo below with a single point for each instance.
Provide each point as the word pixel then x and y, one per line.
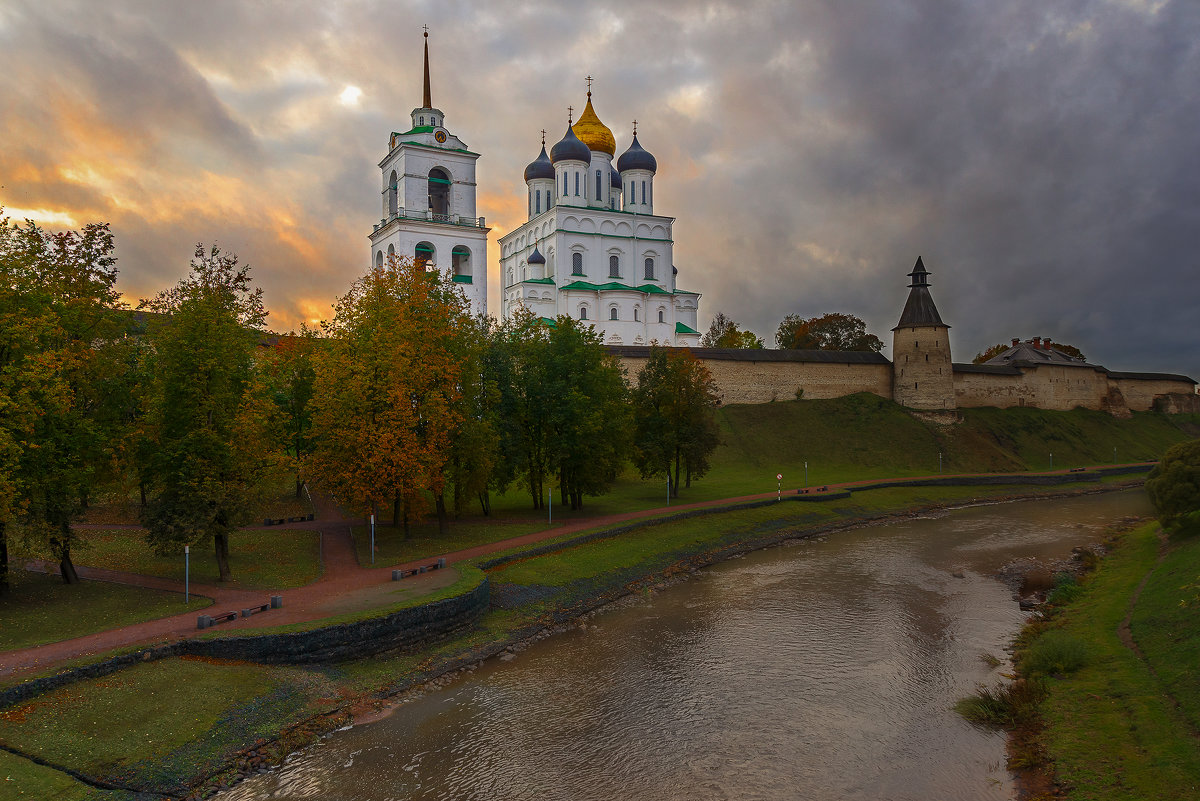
pixel 1039 155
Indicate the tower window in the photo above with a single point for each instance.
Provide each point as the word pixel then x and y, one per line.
pixel 643 191
pixel 576 184
pixel 599 186
pixel 612 313
pixel 564 184
pixel 649 269
pixel 577 264
pixel 614 267
pixel 583 312
pixel 439 192
pixel 538 205
pixel 635 314
pixel 662 316
pixel 422 122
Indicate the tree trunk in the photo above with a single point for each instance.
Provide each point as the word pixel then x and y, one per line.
pixel 3 558
pixel 396 504
pixel 485 503
pixel 299 487
pixel 142 491
pixel 221 546
pixel 443 519
pixel 404 510
pixel 687 481
pixel 675 483
pixel 65 567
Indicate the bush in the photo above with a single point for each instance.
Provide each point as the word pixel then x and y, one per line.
pixel 1174 486
pixel 1054 653
pixel 1066 589
pixel 1003 705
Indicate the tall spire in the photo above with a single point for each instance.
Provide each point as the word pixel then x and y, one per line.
pixel 427 100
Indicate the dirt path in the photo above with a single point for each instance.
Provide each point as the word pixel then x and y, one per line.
pixel 342 576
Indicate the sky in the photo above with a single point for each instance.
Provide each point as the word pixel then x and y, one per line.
pixel 1042 157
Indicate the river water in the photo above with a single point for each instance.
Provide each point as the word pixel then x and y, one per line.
pixel 818 670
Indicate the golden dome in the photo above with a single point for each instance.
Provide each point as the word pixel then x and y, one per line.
pixel 594 133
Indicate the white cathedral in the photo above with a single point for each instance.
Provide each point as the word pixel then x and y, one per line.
pixel 592 246
pixel 429 202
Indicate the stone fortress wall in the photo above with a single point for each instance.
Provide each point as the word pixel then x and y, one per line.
pixel 746 376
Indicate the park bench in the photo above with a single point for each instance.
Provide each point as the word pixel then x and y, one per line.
pixel 279 521
pixel 207 621
pixel 1078 469
pixel 400 574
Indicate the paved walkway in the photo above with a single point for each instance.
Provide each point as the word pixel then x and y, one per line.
pixel 342 575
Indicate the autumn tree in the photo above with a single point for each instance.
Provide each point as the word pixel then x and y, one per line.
pixel 725 333
pixel 387 390
pixel 833 331
pixel 674 422
pixel 290 374
pixel 475 446
pixel 58 315
pixel 518 358
pixel 214 457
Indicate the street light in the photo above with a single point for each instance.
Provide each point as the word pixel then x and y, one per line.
pixel 372 538
pixel 779 486
pixel 186 573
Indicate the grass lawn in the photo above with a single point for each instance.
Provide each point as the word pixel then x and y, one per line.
pixel 123 510
pixel 162 719
pixel 22 779
pixel 41 609
pixel 424 540
pixel 1112 731
pixel 267 559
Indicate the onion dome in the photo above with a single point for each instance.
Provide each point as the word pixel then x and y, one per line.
pixel 536 256
pixel 616 179
pixel 540 167
pixel 569 148
pixel 637 158
pixel 594 133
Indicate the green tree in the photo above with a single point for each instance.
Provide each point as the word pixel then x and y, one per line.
pixel 58 317
pixel 518 360
pixel 290 374
pixel 475 448
pixel 833 331
pixel 1174 487
pixel 674 421
pixel 211 418
pixel 387 390
pixel 724 333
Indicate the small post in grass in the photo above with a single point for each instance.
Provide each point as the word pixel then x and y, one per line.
pixel 186 572
pixel 1051 460
pixel 806 474
pixel 1114 454
pixel 668 485
pixel 372 538
pixel 939 461
pixel 550 504
pixel 779 486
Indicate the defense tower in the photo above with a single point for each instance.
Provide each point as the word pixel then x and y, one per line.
pixel 922 373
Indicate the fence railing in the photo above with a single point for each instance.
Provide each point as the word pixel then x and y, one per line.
pixel 429 216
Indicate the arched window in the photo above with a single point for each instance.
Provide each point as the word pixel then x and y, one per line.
pixel 460 256
pixel 424 255
pixel 643 191
pixel 649 269
pixel 662 315
pixel 583 312
pixel 422 121
pixel 564 184
pixel 576 263
pixel 391 252
pixel 635 314
pixel 392 195
pixel 612 313
pixel 614 267
pixel 538 201
pixel 379 258
pixel 599 186
pixel 439 193
pixel 576 184
pixel 530 204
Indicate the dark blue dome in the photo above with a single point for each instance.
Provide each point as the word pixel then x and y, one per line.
pixel 536 256
pixel 616 179
pixel 539 167
pixel 635 158
pixel 570 148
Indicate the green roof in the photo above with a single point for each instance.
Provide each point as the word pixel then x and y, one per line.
pixel 538 281
pixel 417 130
pixel 463 279
pixel 685 292
pixel 549 321
pixel 680 328
pixel 646 289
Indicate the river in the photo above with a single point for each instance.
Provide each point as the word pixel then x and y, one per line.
pixel 824 669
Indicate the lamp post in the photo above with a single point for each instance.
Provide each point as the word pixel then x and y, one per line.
pixel 806 474
pixel 668 485
pixel 779 486
pixel 186 573
pixel 939 461
pixel 550 504
pixel 1051 460
pixel 372 538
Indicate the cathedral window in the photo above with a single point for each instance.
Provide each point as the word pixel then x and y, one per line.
pixel 564 184
pixel 614 267
pixel 635 314
pixel 439 192
pixel 392 195
pixel 643 191
pixel 424 255
pixel 538 204
pixel 649 269
pixel 379 258
pixel 576 184
pixel 612 313
pixel 662 315
pixel 583 312
pixel 599 186
pixel 530 204
pixel 577 264
pixel 422 122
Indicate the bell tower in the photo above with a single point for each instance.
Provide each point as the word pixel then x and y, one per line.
pixel 922 373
